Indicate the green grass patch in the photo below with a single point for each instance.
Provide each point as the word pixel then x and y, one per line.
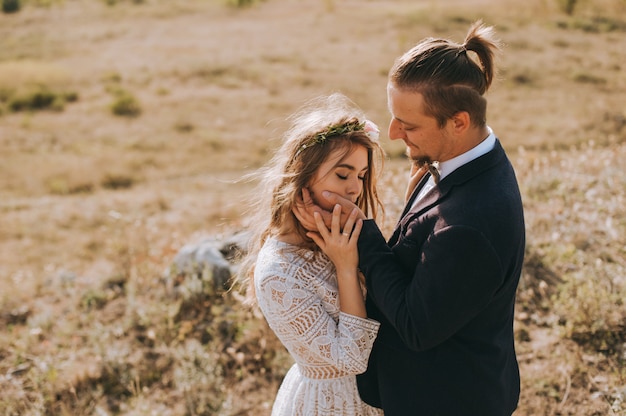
pixel 117 181
pixel 11 6
pixel 125 104
pixel 40 99
pixel 61 186
pixel 594 24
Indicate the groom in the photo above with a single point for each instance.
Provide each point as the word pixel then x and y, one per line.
pixel 443 287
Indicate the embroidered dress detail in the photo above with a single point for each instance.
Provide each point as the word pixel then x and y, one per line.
pixel 297 293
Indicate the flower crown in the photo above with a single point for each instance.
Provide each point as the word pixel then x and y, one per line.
pixel 370 129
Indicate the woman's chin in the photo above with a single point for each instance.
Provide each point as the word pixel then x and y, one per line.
pixel 325 205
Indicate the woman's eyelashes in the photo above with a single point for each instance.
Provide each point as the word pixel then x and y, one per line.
pixel 345 177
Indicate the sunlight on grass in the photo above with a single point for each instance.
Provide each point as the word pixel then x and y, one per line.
pixel 14 74
pixel 172 102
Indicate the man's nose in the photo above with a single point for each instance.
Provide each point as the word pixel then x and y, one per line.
pixel 395 130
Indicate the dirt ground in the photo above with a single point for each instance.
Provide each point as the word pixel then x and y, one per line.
pixel 86 194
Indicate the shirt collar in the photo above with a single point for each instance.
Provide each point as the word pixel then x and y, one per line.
pixel 449 166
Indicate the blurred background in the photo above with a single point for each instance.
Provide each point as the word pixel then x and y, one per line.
pixel 126 127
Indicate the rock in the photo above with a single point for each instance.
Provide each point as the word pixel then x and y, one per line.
pixel 211 259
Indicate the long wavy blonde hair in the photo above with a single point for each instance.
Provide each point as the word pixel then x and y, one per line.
pixel 293 168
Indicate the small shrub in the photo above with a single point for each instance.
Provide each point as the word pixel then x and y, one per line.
pixel 61 186
pixel 585 78
pixel 522 79
pixel 70 97
pixel 125 104
pixel 567 6
pixel 595 24
pixel 183 127
pixel 94 299
pixel 590 304
pixel 40 99
pixel 240 3
pixel 114 2
pixel 36 100
pixel 117 181
pixel 11 6
pixel 200 378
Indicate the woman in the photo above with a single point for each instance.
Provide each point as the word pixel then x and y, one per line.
pixel 316 310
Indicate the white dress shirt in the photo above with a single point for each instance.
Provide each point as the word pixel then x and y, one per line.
pixel 449 166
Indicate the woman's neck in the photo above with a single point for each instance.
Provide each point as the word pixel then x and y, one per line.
pixel 288 234
pixel 290 238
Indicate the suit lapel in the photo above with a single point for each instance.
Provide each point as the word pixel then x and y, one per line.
pixel 410 208
pixel 416 192
pixel 426 202
pixel 432 197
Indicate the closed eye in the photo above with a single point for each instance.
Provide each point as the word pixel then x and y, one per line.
pixel 346 170
pixel 343 178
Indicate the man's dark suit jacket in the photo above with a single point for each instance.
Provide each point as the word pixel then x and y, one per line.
pixel 443 288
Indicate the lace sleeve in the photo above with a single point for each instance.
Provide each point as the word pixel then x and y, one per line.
pixel 299 315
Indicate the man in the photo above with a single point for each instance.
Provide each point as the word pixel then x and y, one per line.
pixel 443 287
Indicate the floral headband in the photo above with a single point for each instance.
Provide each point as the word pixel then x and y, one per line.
pixel 369 127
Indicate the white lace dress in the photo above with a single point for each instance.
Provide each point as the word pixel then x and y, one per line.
pixel 299 300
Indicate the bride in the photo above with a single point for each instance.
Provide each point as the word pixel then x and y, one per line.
pixel 315 309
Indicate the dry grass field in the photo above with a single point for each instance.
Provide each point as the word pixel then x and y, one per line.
pixel 125 126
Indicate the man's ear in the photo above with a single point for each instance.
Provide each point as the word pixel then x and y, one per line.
pixel 461 122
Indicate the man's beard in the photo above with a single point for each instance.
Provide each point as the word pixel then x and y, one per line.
pixel 421 160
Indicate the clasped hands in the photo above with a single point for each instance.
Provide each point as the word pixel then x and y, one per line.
pixel 312 216
pixel 305 208
pixel 336 233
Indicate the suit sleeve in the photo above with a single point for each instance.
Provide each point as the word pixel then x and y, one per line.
pixel 429 292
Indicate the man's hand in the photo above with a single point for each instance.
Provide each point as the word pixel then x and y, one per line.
pixel 305 207
pixel 347 207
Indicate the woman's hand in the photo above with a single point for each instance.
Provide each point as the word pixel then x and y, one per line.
pixel 340 245
pixel 305 207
